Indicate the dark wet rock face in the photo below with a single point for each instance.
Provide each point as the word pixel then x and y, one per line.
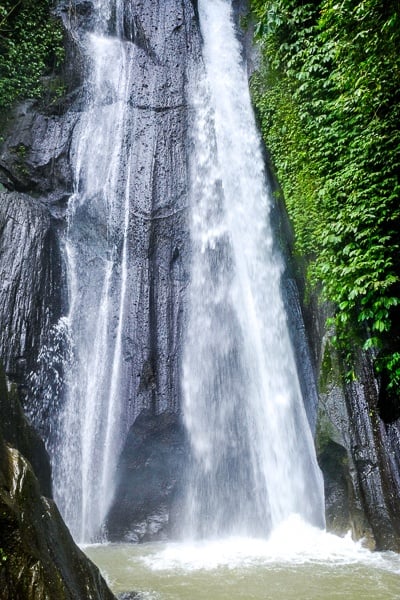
pixel 361 475
pixel 30 291
pixel 376 453
pixel 20 434
pixel 38 558
pixel 148 479
pixel 34 157
pixel 167 43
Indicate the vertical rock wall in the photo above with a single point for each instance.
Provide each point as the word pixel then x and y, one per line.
pixel 358 452
pixel 168 42
pixel 168 38
pixel 30 300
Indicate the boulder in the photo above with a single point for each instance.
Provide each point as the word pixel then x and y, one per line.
pixel 148 478
pixel 38 558
pixel 19 433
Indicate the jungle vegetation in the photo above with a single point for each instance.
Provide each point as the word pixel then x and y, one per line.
pixel 328 98
pixel 31 45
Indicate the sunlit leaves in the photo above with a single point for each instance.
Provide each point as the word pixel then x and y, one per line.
pixel 31 43
pixel 329 104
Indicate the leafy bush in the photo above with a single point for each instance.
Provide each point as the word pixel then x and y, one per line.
pixel 328 96
pixel 31 45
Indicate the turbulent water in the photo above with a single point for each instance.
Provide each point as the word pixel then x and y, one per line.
pixel 298 562
pixel 253 456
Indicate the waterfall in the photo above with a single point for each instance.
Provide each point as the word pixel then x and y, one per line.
pixel 95 250
pixel 253 459
pixel 125 244
pixel 126 249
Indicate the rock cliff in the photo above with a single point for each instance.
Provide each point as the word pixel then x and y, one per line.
pixel 359 453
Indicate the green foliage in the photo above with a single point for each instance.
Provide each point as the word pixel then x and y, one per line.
pixel 3 556
pixel 328 96
pixel 31 45
pixel 390 363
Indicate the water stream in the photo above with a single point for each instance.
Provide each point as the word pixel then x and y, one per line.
pixel 253 462
pixel 95 249
pixel 253 455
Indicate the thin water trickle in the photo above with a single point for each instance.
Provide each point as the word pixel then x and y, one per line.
pixel 253 459
pixel 95 249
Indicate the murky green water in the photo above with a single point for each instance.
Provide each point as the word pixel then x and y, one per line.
pixel 319 567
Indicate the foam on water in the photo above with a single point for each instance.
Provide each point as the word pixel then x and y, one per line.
pixel 297 562
pixel 292 543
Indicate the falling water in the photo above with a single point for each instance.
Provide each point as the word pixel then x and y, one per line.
pixel 253 459
pixel 95 250
pixel 253 462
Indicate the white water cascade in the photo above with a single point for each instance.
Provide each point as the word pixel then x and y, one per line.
pixel 96 260
pixel 253 459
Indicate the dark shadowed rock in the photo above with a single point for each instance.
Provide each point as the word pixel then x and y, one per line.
pixel 149 474
pixel 333 462
pixel 343 510
pixel 20 434
pixel 30 291
pixel 299 337
pixel 39 560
